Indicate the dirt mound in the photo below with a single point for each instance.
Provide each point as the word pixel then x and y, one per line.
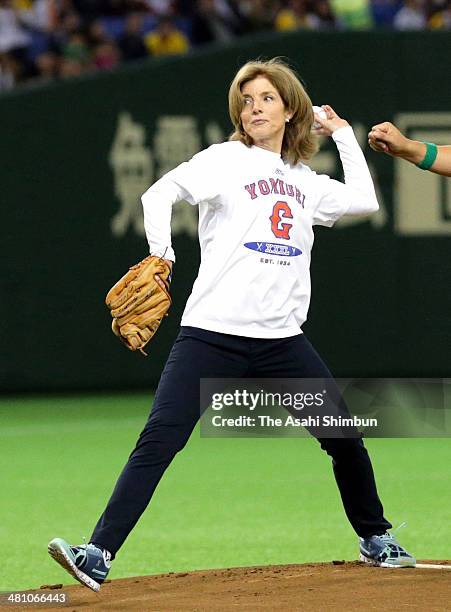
pixel 321 587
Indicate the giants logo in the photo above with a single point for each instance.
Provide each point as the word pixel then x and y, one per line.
pixel 279 229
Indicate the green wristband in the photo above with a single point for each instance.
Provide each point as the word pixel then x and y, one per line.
pixel 430 157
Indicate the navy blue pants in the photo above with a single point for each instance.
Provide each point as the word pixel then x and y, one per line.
pixel 199 353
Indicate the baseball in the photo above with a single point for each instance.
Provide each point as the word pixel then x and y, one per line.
pixel 321 112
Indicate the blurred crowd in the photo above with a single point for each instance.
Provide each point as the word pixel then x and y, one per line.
pixel 45 40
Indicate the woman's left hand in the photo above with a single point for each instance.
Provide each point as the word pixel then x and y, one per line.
pixel 165 284
pixel 329 125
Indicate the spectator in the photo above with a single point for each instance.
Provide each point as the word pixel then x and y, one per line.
pixel 42 16
pixel 9 71
pixel 441 19
pixel 353 14
pixel 325 16
pixel 76 48
pixel 411 16
pixel 106 55
pixel 209 25
pixel 71 68
pixel 294 16
pixel 260 14
pixel 231 12
pixel 166 39
pixel 13 36
pixel 70 23
pixel 384 11
pixel 131 42
pixel 46 66
pixel 161 8
pixel 96 34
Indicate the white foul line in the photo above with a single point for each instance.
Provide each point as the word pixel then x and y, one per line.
pixel 432 566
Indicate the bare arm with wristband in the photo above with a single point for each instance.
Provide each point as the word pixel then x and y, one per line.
pixel 386 138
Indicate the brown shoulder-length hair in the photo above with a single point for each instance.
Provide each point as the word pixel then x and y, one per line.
pixel 299 143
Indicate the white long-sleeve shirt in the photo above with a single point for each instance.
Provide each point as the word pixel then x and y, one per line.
pixel 256 218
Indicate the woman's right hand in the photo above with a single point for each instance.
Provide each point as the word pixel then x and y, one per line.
pixel 331 124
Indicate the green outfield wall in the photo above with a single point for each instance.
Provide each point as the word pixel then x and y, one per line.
pixel 76 156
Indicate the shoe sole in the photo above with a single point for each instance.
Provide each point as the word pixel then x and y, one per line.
pixel 59 554
pixel 382 564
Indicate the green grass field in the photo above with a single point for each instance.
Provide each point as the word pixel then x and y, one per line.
pixel 222 503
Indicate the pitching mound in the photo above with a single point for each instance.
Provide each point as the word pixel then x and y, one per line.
pixel 327 587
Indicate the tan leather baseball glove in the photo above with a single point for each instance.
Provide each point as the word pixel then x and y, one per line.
pixel 138 303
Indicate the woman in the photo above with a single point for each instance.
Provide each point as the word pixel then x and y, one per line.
pixel 244 315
